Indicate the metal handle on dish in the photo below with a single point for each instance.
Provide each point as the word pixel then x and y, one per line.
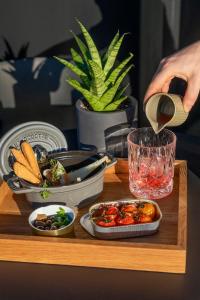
pixel 113 161
pixel 13 183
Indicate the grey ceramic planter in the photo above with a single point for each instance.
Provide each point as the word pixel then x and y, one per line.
pixel 93 126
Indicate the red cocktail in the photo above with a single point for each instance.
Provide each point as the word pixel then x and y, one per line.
pixel 151 162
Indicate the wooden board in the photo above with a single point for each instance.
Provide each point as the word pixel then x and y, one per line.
pixel 164 251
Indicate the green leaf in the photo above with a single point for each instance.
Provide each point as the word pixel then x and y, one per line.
pixel 61 217
pixel 72 67
pixel 120 92
pixel 109 95
pixel 80 62
pixel 61 212
pixel 84 50
pixel 76 57
pixel 115 73
pixel 86 82
pixel 112 44
pixel 91 45
pixel 45 192
pixel 92 99
pixel 113 54
pixel 114 105
pixel 98 85
pixel 83 66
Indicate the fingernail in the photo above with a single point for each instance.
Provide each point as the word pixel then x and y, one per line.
pixel 187 108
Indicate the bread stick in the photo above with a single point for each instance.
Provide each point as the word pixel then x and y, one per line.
pixel 30 156
pixel 22 172
pixel 20 158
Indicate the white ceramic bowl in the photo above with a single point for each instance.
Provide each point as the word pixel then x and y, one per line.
pixel 49 211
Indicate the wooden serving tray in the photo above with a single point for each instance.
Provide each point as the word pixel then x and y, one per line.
pixel 164 251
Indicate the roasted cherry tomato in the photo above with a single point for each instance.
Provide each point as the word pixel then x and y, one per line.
pixel 111 217
pixel 125 220
pixel 106 222
pixel 147 209
pixel 129 208
pixel 145 219
pixel 136 218
pixel 98 212
pixel 111 210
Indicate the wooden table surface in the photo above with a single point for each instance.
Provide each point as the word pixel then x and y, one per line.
pixel 37 281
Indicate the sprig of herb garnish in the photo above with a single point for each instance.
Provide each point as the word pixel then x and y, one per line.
pixel 57 170
pixel 53 162
pixel 45 192
pixel 61 218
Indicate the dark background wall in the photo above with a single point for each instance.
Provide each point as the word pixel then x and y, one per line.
pixel 190 33
pixel 44 26
pixel 42 29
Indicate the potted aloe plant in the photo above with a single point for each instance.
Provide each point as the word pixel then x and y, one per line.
pixel 104 103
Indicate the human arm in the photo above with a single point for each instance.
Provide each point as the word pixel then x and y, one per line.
pixel 184 64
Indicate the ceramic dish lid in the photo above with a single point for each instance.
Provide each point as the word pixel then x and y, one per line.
pixel 36 133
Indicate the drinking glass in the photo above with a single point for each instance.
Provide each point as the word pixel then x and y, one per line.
pixel 151 162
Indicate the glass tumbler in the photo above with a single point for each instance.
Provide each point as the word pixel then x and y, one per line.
pixel 151 162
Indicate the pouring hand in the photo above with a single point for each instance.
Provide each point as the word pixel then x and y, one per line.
pixel 184 64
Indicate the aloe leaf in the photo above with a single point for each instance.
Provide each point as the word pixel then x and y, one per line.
pixel 112 44
pixel 120 92
pixel 84 50
pixel 115 73
pixel 86 82
pixel 92 99
pixel 113 54
pixel 72 67
pixel 109 95
pixel 80 63
pixel 98 76
pixel 91 45
pixel 114 105
pixel 76 56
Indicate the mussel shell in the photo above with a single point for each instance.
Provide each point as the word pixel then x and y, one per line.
pixel 47 174
pixel 41 153
pixel 9 176
pixel 11 161
pixel 62 177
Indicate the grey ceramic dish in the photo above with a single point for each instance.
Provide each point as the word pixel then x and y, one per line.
pixel 78 194
pixel 36 133
pixel 125 231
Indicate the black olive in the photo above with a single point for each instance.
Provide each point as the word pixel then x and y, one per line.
pixel 41 227
pixel 52 218
pixel 53 227
pixel 39 223
pixel 48 222
pixel 47 228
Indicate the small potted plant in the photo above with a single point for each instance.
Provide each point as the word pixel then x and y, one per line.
pixel 104 104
